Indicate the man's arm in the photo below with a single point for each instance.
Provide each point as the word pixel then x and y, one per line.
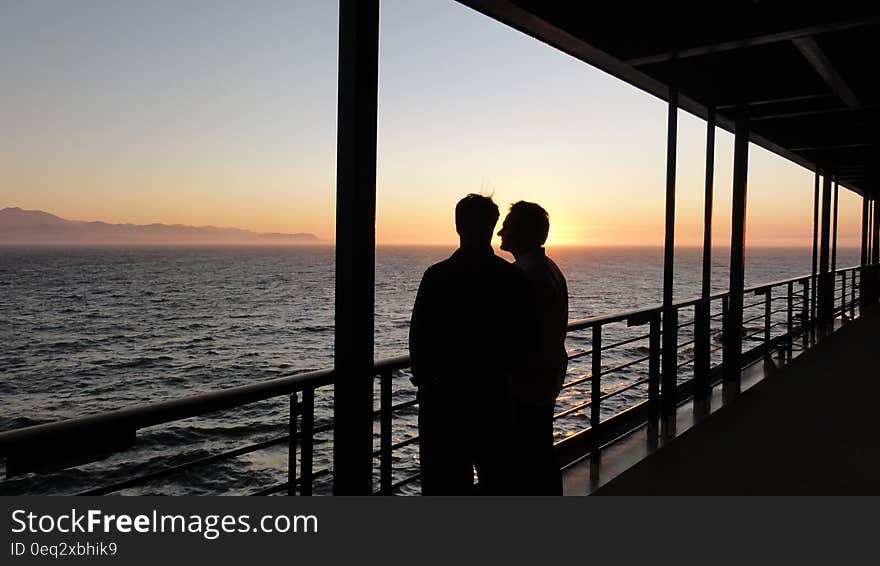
pixel 419 330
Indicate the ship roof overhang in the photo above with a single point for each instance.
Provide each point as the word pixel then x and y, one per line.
pixel 803 73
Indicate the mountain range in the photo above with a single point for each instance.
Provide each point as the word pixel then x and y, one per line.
pixel 19 226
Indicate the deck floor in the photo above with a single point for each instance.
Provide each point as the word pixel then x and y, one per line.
pixel 806 428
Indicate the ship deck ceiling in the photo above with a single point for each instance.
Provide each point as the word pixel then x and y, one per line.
pixel 805 74
pixel 810 428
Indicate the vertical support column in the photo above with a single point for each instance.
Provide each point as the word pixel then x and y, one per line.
pixel 355 246
pixel 702 309
pixel 864 285
pixel 733 323
pixel 825 290
pixel 669 360
pixel 874 271
pixel 815 246
pixel 875 238
pixel 834 230
pixel 864 255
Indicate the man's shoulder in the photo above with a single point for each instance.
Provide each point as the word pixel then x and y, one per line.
pixel 439 270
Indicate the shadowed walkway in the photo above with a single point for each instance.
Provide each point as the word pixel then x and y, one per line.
pixel 809 429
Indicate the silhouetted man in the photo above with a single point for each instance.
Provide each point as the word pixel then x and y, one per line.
pixel 464 342
pixel 536 387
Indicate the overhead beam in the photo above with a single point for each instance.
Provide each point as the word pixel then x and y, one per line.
pixel 817 58
pixel 783 100
pixel 753 41
pixel 832 147
pixel 816 112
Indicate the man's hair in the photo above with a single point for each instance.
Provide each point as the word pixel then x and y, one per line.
pixel 476 216
pixel 532 221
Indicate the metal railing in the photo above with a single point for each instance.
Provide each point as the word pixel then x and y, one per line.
pixel 617 352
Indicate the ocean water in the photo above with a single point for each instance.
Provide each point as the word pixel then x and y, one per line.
pixel 86 330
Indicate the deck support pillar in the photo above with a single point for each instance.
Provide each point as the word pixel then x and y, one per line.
pixel 812 292
pixel 863 257
pixel 834 227
pixel 669 360
pixel 733 321
pixel 875 233
pixel 355 246
pixel 825 289
pixel 702 310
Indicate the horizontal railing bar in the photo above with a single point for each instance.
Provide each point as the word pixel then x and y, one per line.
pixel 623 342
pixel 146 478
pixel 283 486
pixel 166 411
pixel 608 347
pixel 580 354
pixel 627 388
pixel 399 406
pixel 577 381
pixel 574 409
pixel 397 446
pixel 610 318
pixel 399 484
pixel 624 366
pixel 753 319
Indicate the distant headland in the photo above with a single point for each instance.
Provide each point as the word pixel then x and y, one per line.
pixel 35 227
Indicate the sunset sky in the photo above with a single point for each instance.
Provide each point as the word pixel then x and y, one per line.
pixel 224 113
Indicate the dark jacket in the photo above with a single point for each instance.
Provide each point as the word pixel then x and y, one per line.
pixel 467 331
pixel 541 383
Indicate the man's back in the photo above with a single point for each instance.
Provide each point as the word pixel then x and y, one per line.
pixel 465 332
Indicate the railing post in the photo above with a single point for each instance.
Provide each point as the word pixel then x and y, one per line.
pixel 805 313
pixel 306 458
pixel 852 290
pixel 702 347
pixel 355 246
pixel 654 373
pixel 596 391
pixel 385 433
pixel 669 385
pixel 291 444
pixel 768 300
pixel 734 323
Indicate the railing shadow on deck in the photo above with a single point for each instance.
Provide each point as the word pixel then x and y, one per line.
pixel 621 352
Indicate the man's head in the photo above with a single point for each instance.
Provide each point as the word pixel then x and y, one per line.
pixel 475 219
pixel 525 228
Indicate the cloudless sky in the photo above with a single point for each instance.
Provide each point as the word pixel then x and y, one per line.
pixel 224 113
